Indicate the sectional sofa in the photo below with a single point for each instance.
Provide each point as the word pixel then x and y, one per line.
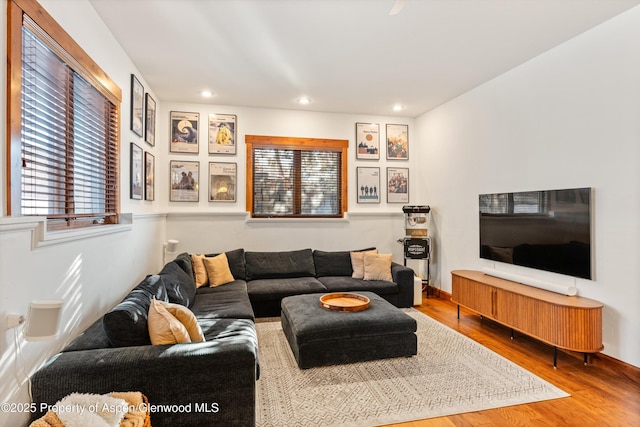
pixel 210 382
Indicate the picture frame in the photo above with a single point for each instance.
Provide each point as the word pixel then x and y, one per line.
pixel 397 142
pixel 222 181
pixel 137 106
pixel 367 141
pixel 150 120
pixel 184 181
pixel 149 176
pixel 368 184
pixel 222 133
pixel 136 172
pixel 184 132
pixel 397 185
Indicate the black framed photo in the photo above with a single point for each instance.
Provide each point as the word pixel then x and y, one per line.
pixel 150 120
pixel 222 133
pixel 222 182
pixel 137 105
pixel 367 141
pixel 136 172
pixel 185 181
pixel 368 184
pixel 184 132
pixel 397 185
pixel 149 176
pixel 397 142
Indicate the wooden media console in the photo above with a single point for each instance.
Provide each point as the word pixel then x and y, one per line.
pixel 567 322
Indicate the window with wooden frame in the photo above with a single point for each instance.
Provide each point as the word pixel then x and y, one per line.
pixel 64 115
pixel 296 177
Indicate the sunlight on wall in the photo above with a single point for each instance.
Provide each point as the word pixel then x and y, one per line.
pixel 22 358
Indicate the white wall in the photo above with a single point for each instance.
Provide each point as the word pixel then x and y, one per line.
pixel 218 226
pixel 568 118
pixel 92 273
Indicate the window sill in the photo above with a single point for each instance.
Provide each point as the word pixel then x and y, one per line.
pixel 40 237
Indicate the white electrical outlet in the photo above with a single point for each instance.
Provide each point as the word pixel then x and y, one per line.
pixel 14 320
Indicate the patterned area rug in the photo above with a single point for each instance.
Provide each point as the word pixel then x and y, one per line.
pixel 451 374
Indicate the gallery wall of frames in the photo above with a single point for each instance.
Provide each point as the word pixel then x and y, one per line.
pixel 370 183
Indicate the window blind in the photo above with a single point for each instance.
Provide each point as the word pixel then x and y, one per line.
pixel 69 138
pixel 288 182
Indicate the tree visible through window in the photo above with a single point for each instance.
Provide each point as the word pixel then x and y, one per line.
pixel 296 177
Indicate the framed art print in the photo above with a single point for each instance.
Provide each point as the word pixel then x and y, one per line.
pixel 136 172
pixel 367 141
pixel 222 182
pixel 222 133
pixel 137 105
pixel 149 176
pixel 397 185
pixel 368 185
pixel 185 177
pixel 184 132
pixel 150 120
pixel 397 142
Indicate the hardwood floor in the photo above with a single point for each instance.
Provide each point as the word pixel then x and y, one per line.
pixel 606 392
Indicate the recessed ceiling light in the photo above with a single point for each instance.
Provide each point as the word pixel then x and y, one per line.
pixel 206 93
pixel 397 107
pixel 303 100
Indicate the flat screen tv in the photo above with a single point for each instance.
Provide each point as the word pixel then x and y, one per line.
pixel 546 230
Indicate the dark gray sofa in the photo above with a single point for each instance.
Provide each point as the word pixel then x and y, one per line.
pixel 209 383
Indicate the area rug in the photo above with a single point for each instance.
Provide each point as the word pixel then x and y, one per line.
pixel 451 374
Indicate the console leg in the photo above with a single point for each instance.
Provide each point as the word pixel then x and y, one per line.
pixel 585 359
pixel 511 333
pixel 458 311
pixel 555 357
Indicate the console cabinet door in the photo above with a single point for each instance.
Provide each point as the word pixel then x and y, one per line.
pixel 474 295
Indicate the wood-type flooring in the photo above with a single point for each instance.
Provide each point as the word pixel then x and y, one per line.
pixel 605 392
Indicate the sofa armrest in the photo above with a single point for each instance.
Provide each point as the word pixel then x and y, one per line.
pixel 206 383
pixel 403 277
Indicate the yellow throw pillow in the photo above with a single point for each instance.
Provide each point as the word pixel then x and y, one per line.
pixel 164 328
pixel 199 271
pixel 377 267
pixel 187 318
pixel 357 263
pixel 218 270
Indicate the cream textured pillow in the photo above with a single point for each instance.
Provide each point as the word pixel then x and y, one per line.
pixel 164 328
pixel 199 271
pixel 357 263
pixel 218 270
pixel 377 267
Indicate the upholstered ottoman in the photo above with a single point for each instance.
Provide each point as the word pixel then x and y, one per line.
pixel 318 336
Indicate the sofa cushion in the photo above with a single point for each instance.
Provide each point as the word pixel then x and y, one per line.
pixel 181 288
pixel 164 327
pixel 335 263
pixel 182 314
pixel 276 289
pixel 357 263
pixel 275 265
pixel 236 263
pixel 126 323
pixel 377 266
pixel 184 262
pixel 199 270
pixel 229 301
pixel 93 337
pixel 343 284
pixel 218 270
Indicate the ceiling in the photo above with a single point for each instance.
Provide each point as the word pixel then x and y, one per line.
pixel 348 56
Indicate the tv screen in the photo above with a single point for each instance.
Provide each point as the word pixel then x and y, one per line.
pixel 547 230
